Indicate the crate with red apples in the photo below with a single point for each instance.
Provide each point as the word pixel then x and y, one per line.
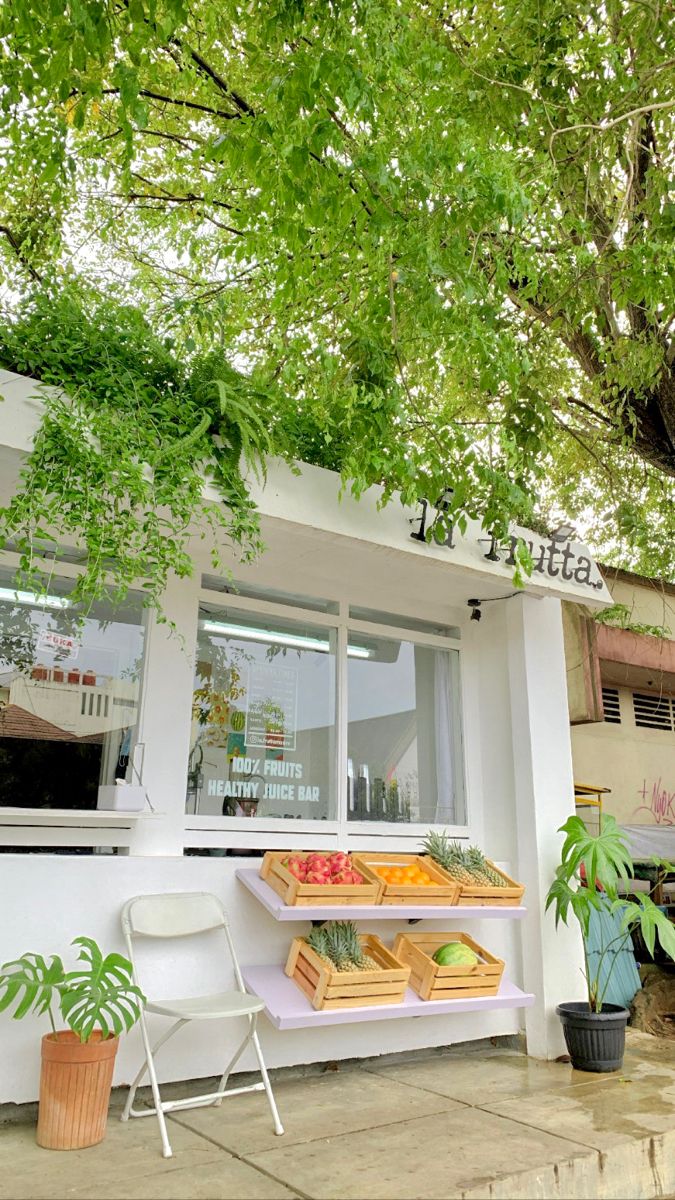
pixel 318 877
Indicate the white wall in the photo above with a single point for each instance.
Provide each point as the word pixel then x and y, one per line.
pixel 544 799
pixel 48 900
pixel 518 763
pixel 636 763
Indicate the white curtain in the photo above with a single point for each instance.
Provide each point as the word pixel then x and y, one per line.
pixel 443 740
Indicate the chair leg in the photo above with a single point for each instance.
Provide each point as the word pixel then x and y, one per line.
pixel 128 1110
pixel 150 1063
pixel 234 1060
pixel 278 1127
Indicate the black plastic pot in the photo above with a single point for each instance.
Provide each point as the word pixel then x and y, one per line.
pixel 595 1041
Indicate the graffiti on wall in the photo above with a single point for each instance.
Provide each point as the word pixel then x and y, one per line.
pixel 657 801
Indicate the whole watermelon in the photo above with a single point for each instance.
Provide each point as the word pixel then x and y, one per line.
pixel 455 954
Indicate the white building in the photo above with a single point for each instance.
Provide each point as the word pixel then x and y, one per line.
pixel 340 696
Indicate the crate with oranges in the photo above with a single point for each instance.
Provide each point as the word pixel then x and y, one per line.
pixel 408 879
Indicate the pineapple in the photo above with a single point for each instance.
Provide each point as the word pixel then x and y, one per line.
pixel 319 943
pixel 361 961
pixel 339 945
pixel 449 855
pixel 476 861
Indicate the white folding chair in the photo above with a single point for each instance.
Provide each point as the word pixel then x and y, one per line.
pixel 176 915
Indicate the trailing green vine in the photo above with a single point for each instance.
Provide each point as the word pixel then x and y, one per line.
pixel 620 616
pixel 129 437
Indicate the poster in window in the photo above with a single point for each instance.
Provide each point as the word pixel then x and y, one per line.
pixel 271 716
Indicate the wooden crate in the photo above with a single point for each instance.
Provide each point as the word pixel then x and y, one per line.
pixel 447 892
pixel 327 988
pixel 433 982
pixel 293 892
pixel 476 893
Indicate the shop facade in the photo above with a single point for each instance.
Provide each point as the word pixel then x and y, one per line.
pixel 339 693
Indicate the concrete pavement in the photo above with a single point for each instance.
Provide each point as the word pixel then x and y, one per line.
pixel 461 1125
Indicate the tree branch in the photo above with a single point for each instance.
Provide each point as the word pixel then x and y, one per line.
pixel 19 254
pixel 170 137
pixel 212 74
pixel 602 126
pixel 213 112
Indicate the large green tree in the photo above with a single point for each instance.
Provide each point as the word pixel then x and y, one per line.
pixel 438 238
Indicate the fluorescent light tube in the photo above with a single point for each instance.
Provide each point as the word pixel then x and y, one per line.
pixel 34 599
pixel 294 640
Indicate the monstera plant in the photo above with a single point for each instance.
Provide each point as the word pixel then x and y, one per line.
pixel 98 1001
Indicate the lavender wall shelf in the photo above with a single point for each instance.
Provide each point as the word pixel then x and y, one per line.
pixel 370 912
pixel 288 1008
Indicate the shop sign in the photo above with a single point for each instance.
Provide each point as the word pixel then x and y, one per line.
pixel 265 779
pixel 58 644
pixel 552 557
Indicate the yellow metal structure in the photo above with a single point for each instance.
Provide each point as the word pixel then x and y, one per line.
pixel 588 795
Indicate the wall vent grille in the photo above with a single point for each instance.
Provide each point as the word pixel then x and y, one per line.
pixel 653 712
pixel 610 705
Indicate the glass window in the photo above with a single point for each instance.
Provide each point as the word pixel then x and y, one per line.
pixel 404 740
pixel 263 727
pixel 69 691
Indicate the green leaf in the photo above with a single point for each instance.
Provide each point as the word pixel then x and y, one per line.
pixel 32 981
pixel 100 995
pixel 653 923
pixel 605 855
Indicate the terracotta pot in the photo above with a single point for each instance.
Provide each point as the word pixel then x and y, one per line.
pixel 75 1088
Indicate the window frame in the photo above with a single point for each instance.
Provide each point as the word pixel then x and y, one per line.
pixel 150 832
pixel 275 832
pixel 75 827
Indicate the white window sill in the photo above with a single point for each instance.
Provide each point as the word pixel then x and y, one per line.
pixel 87 818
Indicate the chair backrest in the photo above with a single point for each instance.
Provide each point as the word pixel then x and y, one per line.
pixel 173 914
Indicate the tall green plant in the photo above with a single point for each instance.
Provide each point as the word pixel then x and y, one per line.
pixel 98 995
pixel 587 880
